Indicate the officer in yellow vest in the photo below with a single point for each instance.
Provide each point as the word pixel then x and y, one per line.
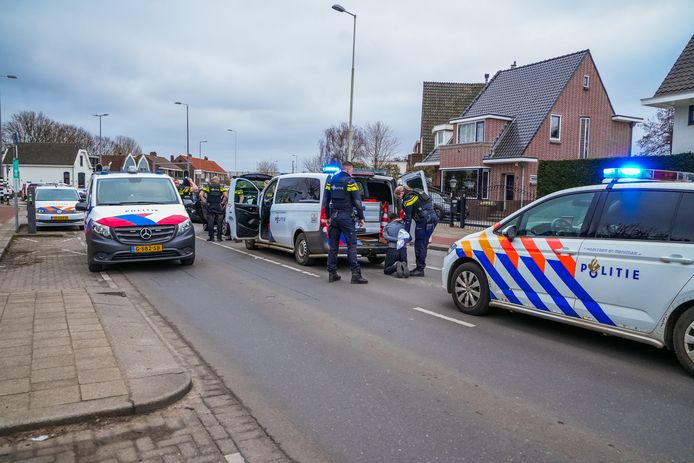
pixel 216 197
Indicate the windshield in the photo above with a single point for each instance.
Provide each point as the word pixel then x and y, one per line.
pixel 57 194
pixel 135 190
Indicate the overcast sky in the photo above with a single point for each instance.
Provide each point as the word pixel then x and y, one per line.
pixel 277 71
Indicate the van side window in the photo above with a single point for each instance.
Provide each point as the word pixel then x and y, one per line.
pixel 637 215
pixel 684 222
pixel 561 216
pixel 298 190
pixel 246 192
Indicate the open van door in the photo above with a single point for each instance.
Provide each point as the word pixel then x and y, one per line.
pixel 242 210
pixel 415 180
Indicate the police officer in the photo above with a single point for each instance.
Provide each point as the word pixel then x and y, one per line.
pixel 418 207
pixel 341 199
pixel 187 188
pixel 216 197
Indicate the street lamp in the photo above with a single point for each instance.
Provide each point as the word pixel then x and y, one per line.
pixel 236 139
pixel 295 162
pixel 100 116
pixel 8 76
pixel 187 128
pixel 200 148
pixel 341 9
pixel 453 182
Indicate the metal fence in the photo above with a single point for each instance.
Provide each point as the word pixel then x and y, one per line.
pixel 501 202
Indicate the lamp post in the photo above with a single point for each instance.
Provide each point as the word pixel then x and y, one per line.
pixel 200 148
pixel 453 183
pixel 100 116
pixel 341 9
pixel 8 76
pixel 187 128
pixel 236 139
pixel 295 162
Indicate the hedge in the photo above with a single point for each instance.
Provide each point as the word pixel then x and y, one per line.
pixel 558 175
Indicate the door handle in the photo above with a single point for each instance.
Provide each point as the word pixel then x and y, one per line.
pixel 567 251
pixel 677 258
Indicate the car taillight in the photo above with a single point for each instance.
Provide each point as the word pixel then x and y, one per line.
pixel 323 220
pixel 384 218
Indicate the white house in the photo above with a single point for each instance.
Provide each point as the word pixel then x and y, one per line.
pixel 677 92
pixel 48 163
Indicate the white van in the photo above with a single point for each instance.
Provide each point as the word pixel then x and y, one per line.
pixel 289 214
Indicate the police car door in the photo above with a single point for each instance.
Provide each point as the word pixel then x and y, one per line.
pixel 638 256
pixel 415 180
pixel 242 209
pixel 531 259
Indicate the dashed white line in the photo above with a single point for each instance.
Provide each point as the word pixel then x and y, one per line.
pixel 438 315
pixel 288 267
pixel 108 280
pixel 29 239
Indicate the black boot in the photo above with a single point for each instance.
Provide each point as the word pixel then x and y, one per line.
pixel 333 277
pixel 358 279
pixel 417 272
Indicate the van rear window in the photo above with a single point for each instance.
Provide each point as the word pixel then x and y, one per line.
pixel 377 190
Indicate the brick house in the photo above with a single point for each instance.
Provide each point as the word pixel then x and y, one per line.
pixel 677 92
pixel 551 110
pixel 203 169
pixel 441 101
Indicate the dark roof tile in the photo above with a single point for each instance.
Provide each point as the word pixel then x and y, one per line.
pixel 46 154
pixel 681 76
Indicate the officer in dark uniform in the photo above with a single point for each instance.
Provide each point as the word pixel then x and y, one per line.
pixel 216 197
pixel 186 188
pixel 341 199
pixel 418 207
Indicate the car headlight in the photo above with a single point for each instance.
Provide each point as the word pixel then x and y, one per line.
pixel 102 230
pixel 452 248
pixel 183 226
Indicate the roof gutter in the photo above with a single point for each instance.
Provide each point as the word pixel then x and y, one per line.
pixel 521 159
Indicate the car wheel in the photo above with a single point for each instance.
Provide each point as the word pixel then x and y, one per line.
pixel 683 340
pixel 439 212
pixel 250 244
pixel 376 259
pixel 95 267
pixel 470 289
pixel 301 252
pixel 188 260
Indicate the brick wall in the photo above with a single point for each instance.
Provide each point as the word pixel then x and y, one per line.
pixel 607 138
pixel 493 128
pixel 469 154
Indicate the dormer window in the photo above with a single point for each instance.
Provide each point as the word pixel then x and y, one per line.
pixel 586 82
pixel 471 132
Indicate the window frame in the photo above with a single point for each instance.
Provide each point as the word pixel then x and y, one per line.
pixel 586 81
pixel 474 132
pixel 551 138
pixel 583 137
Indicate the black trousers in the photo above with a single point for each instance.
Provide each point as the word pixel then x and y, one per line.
pixel 394 256
pixel 215 217
pixel 342 224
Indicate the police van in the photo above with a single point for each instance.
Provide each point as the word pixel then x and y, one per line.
pixel 135 217
pixel 288 213
pixel 615 258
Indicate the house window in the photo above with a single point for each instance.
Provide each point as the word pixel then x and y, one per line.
pixel 66 178
pixel 471 132
pixel 586 82
pixel 442 137
pixel 485 184
pixel 690 118
pixel 584 141
pixel 555 128
pixel 81 161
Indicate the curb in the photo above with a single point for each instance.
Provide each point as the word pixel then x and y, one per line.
pixel 6 235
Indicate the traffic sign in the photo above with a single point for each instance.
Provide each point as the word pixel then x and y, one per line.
pixel 15 168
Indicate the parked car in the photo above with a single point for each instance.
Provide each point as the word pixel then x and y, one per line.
pixel 288 213
pixel 616 258
pixel 442 205
pixel 55 206
pixel 6 192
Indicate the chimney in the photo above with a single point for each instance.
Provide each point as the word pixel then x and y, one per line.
pixel 513 66
pixel 486 78
pixel 152 153
pixel 172 158
pixel 206 158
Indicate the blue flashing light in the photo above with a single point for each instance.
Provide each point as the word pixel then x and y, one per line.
pixel 622 172
pixel 331 169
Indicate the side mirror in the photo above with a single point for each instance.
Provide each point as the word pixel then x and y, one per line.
pixel 510 232
pixel 81 206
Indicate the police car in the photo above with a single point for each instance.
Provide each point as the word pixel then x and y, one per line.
pixel 55 206
pixel 132 217
pixel 615 258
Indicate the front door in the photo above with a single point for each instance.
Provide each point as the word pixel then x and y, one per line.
pixel 509 186
pixel 242 212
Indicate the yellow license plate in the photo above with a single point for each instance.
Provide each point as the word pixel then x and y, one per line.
pixel 148 248
pixel 59 217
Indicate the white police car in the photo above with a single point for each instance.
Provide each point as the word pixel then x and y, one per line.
pixel 615 258
pixel 134 217
pixel 55 206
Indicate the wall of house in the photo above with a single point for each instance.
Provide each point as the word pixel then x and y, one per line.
pixel 469 154
pixel 682 133
pixel 607 138
pixel 493 128
pixel 522 173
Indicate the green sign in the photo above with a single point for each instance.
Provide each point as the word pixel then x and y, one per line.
pixel 15 168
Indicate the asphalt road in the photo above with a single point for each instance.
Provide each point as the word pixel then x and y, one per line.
pixel 347 373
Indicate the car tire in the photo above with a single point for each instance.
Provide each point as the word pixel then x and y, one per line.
pixel 93 267
pixel 188 260
pixel 470 289
pixel 81 227
pixel 439 213
pixel 250 245
pixel 683 340
pixel 376 259
pixel 301 253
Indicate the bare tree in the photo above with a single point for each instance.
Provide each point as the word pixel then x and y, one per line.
pixel 32 127
pixel 126 145
pixel 657 138
pixel 381 145
pixel 267 167
pixel 333 147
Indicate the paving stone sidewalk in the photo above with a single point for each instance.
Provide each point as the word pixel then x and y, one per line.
pixel 75 345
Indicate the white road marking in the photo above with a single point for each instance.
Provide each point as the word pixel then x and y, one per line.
pixel 75 252
pixel 68 239
pixel 450 319
pixel 433 268
pixel 29 239
pixel 289 267
pixel 108 280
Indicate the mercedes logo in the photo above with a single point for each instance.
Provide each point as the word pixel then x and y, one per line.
pixel 145 234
